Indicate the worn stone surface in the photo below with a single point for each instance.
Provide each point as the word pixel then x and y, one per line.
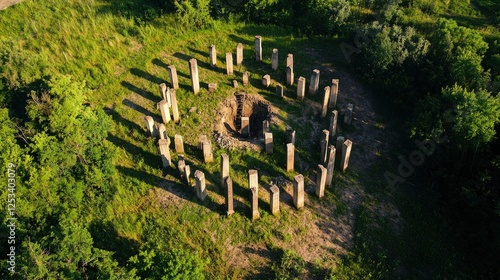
pixel 289 76
pixel 290 135
pixel 207 152
pixel 289 60
pixel 314 86
pixel 150 125
pixel 266 80
pixel 330 164
pixel 268 141
pixel 179 144
pixel 175 107
pixel 162 131
pixel 187 175
pixel 246 77
pixel 212 53
pixel 348 114
pixel 239 54
pixel 265 127
pixel 165 112
pixel 324 152
pixel 245 126
pixel 193 70
pixel 258 48
pixel 202 138
pixel 224 168
pixel 253 184
pixel 279 90
pixel 274 200
pixel 301 88
pixel 181 167
pixel 165 153
pixel 321 181
pixel 163 92
pixel 274 60
pixel 201 190
pixel 333 123
pixel 235 84
pixel 212 87
pixel 346 154
pixel 228 191
pixel 334 90
pixel 338 146
pixel 229 63
pixel 298 191
pixel 174 81
pixel 290 157
pixel 326 97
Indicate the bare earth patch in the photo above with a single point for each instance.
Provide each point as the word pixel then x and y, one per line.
pixel 4 4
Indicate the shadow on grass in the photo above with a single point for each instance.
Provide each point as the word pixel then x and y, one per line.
pixel 119 119
pixel 145 75
pixel 140 109
pixel 160 63
pixel 152 160
pixel 142 92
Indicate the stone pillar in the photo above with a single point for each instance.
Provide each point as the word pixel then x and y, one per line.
pixel 245 126
pixel 235 84
pixel 268 140
pixel 228 187
pixel 301 88
pixel 212 87
pixel 289 60
pixel 314 86
pixel 246 77
pixel 179 144
pixel 258 48
pixel 346 154
pixel 266 80
pixel 324 152
pixel 201 190
pixel 224 169
pixel 279 90
pixel 193 70
pixel 330 165
pixel 162 131
pixel 274 60
pixel 298 191
pixel 325 134
pixel 333 123
pixel 175 108
pixel 253 184
pixel 181 167
pixel 338 146
pixel 165 112
pixel 275 200
pixel 163 92
pixel 290 135
pixel 289 75
pixel 325 102
pixel 321 181
pixel 333 93
pixel 165 153
pixel 212 53
pixel 290 151
pixel 265 128
pixel 229 63
pixel 239 54
pixel 348 114
pixel 187 175
pixel 150 125
pixel 207 152
pixel 174 81
pixel 202 138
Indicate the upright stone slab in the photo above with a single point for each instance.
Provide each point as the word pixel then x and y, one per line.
pixel 201 190
pixel 201 139
pixel 165 112
pixel 314 86
pixel 325 133
pixel 289 76
pixel 175 108
pixel 246 77
pixel 187 175
pixel 265 127
pixel 289 60
pixel 338 146
pixel 212 53
pixel 150 125
pixel 290 135
pixel 174 81
pixel 165 153
pixel 333 93
pixel 290 154
pixel 179 144
pixel 258 48
pixel 193 70
pixel 330 165
pixel 348 114
pixel 268 140
pixel 245 126
pixel 207 152
pixel 321 181
pixel 298 191
pixel 162 131
pixel 266 80
pixel 275 200
pixel 324 152
pixel 212 87
pixel 253 184
pixel 301 88
pixel 333 123
pixel 274 60
pixel 224 169
pixel 346 154
pixel 229 63
pixel 279 90
pixel 163 91
pixel 235 84
pixel 326 97
pixel 239 54
pixel 228 191
pixel 181 166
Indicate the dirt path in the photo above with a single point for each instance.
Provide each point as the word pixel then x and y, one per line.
pixel 4 4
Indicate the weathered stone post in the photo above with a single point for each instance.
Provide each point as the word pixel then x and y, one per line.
pixel 246 77
pixel 201 139
pixel 265 127
pixel 207 152
pixel 212 53
pixel 165 153
pixel 348 114
pixel 330 165
pixel 162 131
pixel 245 126
pixel 290 154
pixel 314 86
pixel 229 63
pixel 165 112
pixel 175 108
pixel 334 93
pixel 201 190
pixel 228 187
pixel 290 135
pixel 268 140
pixel 235 84
pixel 179 144
pixel 321 181
pixel 150 125
pixel 266 80
pixel 212 87
pixel 239 54
pixel 253 184
pixel 301 88
pixel 279 90
pixel 289 76
pixel 346 154
pixel 181 167
pixel 325 102
pixel 174 81
pixel 289 60
pixel 274 60
pixel 275 200
pixel 163 92
pixel 333 123
pixel 224 169
pixel 187 175
pixel 258 48
pixel 193 70
pixel 298 191
pixel 338 146
pixel 324 152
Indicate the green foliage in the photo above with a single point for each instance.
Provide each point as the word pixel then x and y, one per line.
pixel 290 267
pixel 194 14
